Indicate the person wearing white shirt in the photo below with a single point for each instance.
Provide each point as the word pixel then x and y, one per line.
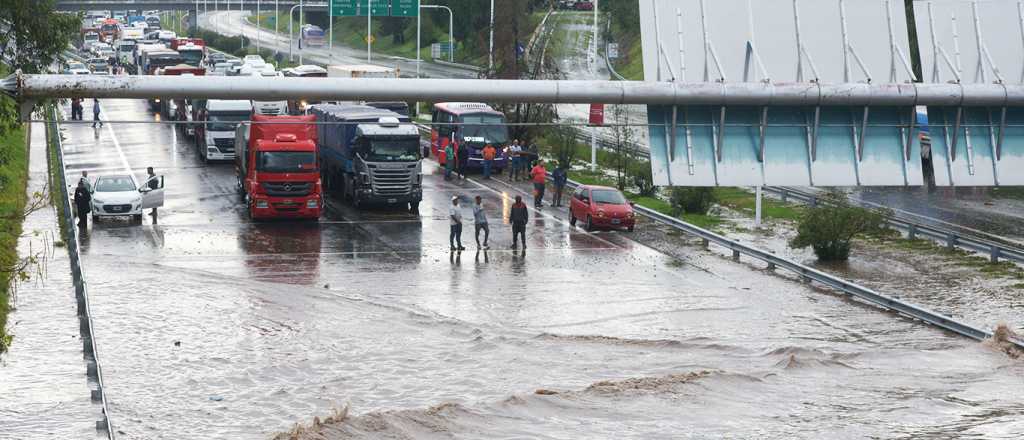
pixel 455 219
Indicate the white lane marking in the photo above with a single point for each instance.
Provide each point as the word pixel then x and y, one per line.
pixel 117 144
pixel 127 169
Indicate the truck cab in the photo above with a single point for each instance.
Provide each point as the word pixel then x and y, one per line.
pixel 192 50
pixel 277 167
pixel 216 121
pixel 369 155
pixel 169 108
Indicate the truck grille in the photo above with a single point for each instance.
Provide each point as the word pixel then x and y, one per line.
pixel 287 189
pixel 392 182
pixel 225 145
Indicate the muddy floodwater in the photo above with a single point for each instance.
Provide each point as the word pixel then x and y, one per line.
pixel 211 326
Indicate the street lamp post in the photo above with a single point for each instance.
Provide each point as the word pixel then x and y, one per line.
pixel 259 29
pixel 291 38
pixel 302 13
pixel 277 17
pixel 369 22
pixel 451 30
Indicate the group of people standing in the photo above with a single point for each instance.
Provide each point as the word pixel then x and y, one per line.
pixel 76 111
pixel 518 216
pixel 521 160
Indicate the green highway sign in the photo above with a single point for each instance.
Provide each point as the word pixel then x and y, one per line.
pixel 405 8
pixel 343 8
pixel 380 8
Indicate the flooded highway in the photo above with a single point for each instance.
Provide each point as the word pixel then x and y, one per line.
pixel 214 326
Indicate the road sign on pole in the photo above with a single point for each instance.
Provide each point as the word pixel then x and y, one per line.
pixel 357 8
pixel 343 8
pixel 405 8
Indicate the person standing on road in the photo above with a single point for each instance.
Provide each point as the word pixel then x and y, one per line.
pixel 463 155
pixel 518 216
pixel 85 180
pixel 488 154
pixel 83 203
pixel 559 177
pixel 538 175
pixel 455 219
pixel 513 153
pixel 153 183
pixel 449 161
pixel 76 109
pixel 480 223
pixel 96 113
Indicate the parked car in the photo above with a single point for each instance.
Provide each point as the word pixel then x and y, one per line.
pixel 98 64
pixel 119 196
pixel 76 68
pixel 584 6
pixel 215 58
pixel 601 207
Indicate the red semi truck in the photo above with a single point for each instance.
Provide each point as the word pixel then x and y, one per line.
pixel 276 165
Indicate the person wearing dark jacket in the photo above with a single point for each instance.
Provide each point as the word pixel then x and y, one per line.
pixel 83 203
pixel 559 177
pixel 518 216
pixel 463 155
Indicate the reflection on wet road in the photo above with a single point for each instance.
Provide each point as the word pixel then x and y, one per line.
pixel 214 326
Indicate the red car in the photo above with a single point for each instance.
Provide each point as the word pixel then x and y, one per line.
pixel 601 207
pixel 584 6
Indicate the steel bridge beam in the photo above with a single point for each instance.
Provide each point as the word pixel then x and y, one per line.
pixel 25 87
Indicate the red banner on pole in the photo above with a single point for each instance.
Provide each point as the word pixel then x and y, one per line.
pixel 596 114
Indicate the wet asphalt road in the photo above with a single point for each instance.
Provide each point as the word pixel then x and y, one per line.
pixel 277 322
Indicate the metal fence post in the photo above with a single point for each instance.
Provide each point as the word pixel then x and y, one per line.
pixel 912 232
pixel 994 254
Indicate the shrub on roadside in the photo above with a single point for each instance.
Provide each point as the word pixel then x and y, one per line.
pixel 829 227
pixel 692 200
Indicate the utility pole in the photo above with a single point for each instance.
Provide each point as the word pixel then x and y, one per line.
pixel 259 28
pixel 490 50
pixel 593 130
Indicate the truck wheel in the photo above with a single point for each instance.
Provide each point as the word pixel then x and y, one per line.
pixel 414 206
pixel 590 224
pixel 137 218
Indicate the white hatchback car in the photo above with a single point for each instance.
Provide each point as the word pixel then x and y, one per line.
pixel 119 196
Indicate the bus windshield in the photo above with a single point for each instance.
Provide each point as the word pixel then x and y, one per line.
pixel 484 129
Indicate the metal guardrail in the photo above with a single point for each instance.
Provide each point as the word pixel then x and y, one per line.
pixel 809 274
pixel 85 325
pixel 949 237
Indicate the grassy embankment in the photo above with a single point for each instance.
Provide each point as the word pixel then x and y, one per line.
pixel 13 176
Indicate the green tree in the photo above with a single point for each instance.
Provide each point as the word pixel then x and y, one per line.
pixel 35 34
pixel 831 226
pixel 565 144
